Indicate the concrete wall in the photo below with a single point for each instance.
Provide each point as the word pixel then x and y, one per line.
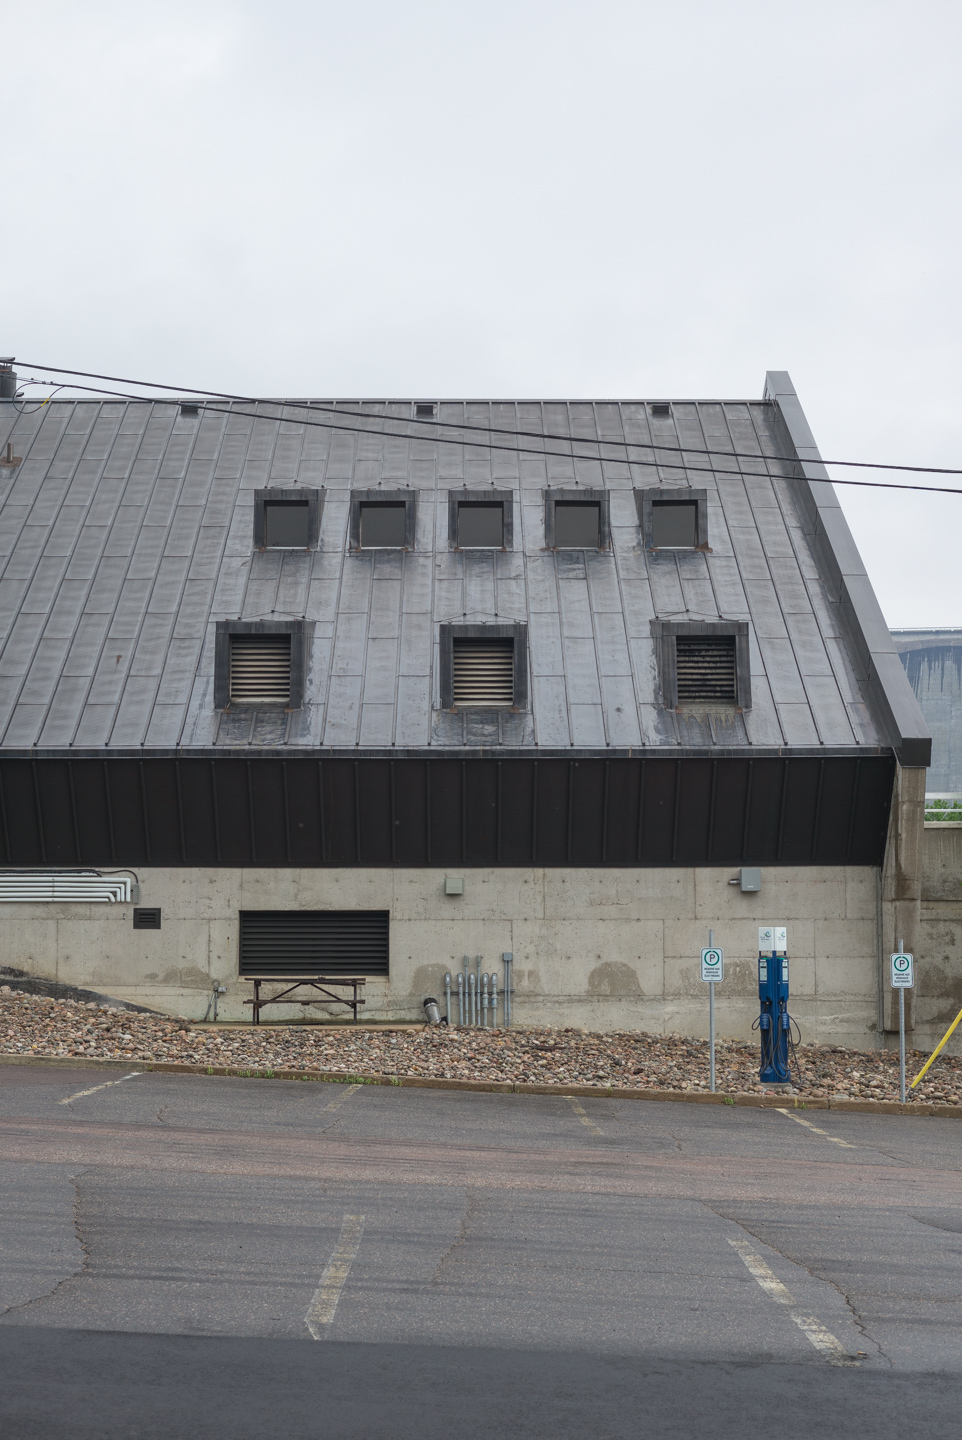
pixel 603 948
pixel 938 996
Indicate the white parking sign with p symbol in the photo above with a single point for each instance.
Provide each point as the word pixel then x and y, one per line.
pixel 713 965
pixel 903 971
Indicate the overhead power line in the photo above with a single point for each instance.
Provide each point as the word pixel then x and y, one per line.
pixel 568 440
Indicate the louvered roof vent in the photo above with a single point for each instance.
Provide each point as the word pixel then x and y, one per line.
pixel 483 673
pixel 706 669
pixel 260 669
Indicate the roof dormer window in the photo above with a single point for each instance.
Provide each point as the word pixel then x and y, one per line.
pixel 674 524
pixel 673 517
pixel 287 519
pixel 480 519
pixel 383 519
pixel 576 519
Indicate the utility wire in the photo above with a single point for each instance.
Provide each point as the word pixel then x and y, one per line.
pixel 511 449
pixel 488 429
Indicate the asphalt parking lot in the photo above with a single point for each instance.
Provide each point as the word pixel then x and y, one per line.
pixel 245 1258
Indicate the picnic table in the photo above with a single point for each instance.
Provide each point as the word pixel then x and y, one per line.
pixel 319 984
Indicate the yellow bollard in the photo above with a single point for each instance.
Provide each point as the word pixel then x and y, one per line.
pixel 935 1052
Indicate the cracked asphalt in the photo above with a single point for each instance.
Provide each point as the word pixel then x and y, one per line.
pixel 471 1264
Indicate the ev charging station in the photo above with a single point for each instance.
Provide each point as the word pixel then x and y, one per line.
pixel 774 1021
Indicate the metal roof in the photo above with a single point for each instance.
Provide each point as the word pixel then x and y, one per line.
pixel 127 533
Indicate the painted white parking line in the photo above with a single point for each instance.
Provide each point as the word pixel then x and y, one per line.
pixel 323 1305
pixel 809 1126
pixel 582 1114
pixel 823 1340
pixel 765 1276
pixel 339 1099
pixel 94 1088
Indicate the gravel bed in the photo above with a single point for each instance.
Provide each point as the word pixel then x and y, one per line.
pixel 38 1025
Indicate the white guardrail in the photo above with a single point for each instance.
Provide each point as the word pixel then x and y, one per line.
pixel 945 805
pixel 80 888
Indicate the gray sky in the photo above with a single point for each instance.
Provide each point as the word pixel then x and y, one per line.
pixel 510 198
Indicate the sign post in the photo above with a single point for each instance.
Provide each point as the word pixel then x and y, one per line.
pixel 712 970
pixel 903 978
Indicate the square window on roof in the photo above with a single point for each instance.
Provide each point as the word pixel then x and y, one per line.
pixel 382 519
pixel 382 527
pixel 674 524
pixel 287 518
pixel 673 517
pixel 576 519
pixel 577 525
pixel 480 519
pixel 480 527
pixel 287 525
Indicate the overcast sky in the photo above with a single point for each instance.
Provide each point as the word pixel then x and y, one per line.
pixel 510 198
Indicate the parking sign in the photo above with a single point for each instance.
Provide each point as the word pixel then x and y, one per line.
pixel 903 972
pixel 713 965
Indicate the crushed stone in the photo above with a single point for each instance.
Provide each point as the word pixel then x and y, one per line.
pixel 39 1025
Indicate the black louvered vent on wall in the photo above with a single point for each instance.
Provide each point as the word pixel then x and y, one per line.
pixel 260 669
pixel 314 942
pixel 483 673
pixel 706 669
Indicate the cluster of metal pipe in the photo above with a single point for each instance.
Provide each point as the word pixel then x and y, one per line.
pixel 477 994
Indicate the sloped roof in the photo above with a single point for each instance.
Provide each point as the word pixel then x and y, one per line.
pixel 127 533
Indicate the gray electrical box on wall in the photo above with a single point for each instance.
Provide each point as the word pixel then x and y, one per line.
pixel 750 878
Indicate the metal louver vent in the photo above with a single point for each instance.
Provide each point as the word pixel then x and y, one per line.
pixel 706 669
pixel 260 669
pixel 483 673
pixel 314 942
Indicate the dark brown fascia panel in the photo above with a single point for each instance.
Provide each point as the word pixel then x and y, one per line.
pixel 849 588
pixel 517 633
pixel 675 493
pixel 301 633
pixel 409 498
pixel 315 505
pixel 504 498
pixel 588 497
pixel 664 633
pixel 243 809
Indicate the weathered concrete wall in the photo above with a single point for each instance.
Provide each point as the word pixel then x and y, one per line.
pixel 902 886
pixel 602 948
pixel 938 995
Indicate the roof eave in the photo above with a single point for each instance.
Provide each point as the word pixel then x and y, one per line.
pixel 850 590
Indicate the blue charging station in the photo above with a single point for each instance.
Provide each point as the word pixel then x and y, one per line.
pixel 774 1021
